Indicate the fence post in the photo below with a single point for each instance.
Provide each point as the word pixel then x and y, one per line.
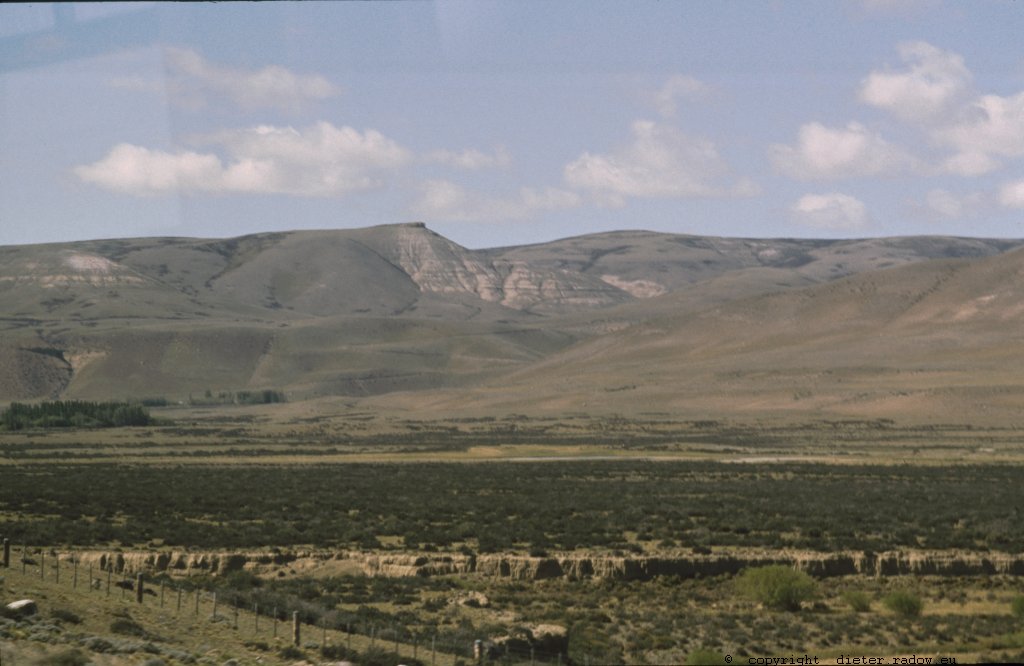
pixel 295 628
pixel 178 609
pixel 57 564
pixel 161 594
pixel 215 605
pixel 275 621
pixel 138 588
pixel 7 553
pixel 236 615
pixel 110 572
pixel 197 600
pixel 255 617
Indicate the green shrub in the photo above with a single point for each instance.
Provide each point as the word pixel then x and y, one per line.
pixel 1017 607
pixel 777 586
pixel 858 601
pixel 904 604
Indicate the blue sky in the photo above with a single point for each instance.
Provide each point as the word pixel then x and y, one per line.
pixel 503 123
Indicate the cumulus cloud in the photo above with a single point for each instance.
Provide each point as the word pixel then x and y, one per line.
pixel 321 160
pixel 192 81
pixel 991 125
pixel 678 86
pixel 138 170
pixel 445 200
pixel 943 205
pixel 1011 194
pixel 659 162
pixel 853 151
pixel 472 160
pixel 834 211
pixel 932 82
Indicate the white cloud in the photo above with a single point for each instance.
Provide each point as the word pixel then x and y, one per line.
pixel 141 171
pixel 933 81
pixel 445 200
pixel 833 211
pixel 970 163
pixel 678 86
pixel 1011 194
pixel 854 151
pixel 192 81
pixel 659 161
pixel 471 159
pixel 991 125
pixel 944 205
pixel 321 160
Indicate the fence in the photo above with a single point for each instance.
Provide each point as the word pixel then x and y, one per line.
pixel 302 625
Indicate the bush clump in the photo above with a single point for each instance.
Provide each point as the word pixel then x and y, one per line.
pixel 858 601
pixel 777 586
pixel 904 604
pixel 1017 607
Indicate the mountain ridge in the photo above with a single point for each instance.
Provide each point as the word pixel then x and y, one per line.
pixel 400 311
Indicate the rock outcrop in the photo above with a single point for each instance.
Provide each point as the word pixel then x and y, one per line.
pixel 568 566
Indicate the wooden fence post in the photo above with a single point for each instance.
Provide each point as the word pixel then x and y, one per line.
pixel 295 628
pixel 7 553
pixel 138 588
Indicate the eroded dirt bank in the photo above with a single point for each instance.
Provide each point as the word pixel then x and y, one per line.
pixel 569 565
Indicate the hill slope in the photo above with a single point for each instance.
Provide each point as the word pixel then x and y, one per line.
pixel 618 319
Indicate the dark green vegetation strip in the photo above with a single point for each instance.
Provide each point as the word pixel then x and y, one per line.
pixel 74 414
pixel 562 505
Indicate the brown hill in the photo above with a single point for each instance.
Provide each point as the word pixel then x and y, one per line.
pixel 939 339
pixel 617 321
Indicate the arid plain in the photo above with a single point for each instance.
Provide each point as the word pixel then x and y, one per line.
pixel 573 451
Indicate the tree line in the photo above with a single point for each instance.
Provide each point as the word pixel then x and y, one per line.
pixel 74 414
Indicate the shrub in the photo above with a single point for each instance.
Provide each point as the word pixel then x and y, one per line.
pixel 73 657
pixel 1017 607
pixel 777 586
pixel 292 652
pixel 904 604
pixel 128 627
pixel 858 601
pixel 65 615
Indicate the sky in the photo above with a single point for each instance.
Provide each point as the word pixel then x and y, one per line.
pixel 507 123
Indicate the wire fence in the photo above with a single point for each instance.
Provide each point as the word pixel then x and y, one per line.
pixel 335 632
